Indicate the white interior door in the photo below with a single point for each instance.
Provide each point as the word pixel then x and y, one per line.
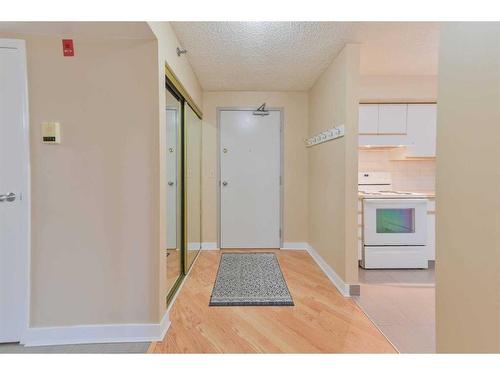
pixel 250 167
pixel 14 204
pixel 172 118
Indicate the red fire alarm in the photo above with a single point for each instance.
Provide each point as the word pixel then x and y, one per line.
pixel 68 49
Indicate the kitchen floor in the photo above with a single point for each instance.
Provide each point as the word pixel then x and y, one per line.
pixel 401 303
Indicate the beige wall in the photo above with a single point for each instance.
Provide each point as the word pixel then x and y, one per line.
pixel 167 44
pixel 94 197
pixel 398 88
pixel 333 100
pixel 295 157
pixel 468 186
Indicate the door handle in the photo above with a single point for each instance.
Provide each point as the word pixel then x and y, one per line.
pixel 10 197
pixel 170 183
pixel 224 183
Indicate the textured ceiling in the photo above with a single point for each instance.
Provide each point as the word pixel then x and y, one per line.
pixel 291 55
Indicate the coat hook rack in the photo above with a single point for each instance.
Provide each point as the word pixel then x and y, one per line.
pixel 327 135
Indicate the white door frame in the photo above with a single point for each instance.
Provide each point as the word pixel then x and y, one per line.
pixel 26 197
pixel 282 177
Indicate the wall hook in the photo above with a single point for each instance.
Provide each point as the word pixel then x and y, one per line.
pixel 181 51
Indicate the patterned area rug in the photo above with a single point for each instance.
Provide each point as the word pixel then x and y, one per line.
pixel 250 279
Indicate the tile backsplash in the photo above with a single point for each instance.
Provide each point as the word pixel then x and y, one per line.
pixel 410 175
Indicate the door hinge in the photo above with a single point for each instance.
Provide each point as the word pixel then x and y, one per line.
pixel 280 233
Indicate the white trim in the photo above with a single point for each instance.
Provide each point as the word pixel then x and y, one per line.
pixel 25 276
pixel 342 287
pixel 194 246
pixel 295 246
pixel 209 246
pixel 336 280
pixel 91 334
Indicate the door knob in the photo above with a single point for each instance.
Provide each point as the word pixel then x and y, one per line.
pixel 10 197
pixel 224 183
pixel 170 183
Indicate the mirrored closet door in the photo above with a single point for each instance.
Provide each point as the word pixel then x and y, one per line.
pixel 173 178
pixel 182 184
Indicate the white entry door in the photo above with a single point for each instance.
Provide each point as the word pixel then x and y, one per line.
pixel 14 205
pixel 250 183
pixel 172 121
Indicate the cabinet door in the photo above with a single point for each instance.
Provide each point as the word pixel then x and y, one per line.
pixel 422 129
pixel 368 119
pixel 392 118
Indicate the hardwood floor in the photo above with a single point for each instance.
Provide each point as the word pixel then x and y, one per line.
pixel 322 320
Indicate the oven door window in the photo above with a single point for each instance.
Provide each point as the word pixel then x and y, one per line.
pixel 395 220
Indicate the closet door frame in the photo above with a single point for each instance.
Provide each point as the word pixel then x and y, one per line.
pixel 184 206
pixel 174 86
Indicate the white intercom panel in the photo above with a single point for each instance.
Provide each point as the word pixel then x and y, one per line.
pixel 51 132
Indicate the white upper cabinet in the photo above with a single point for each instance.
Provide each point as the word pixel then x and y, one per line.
pixel 422 130
pixel 368 118
pixel 392 118
pixel 411 125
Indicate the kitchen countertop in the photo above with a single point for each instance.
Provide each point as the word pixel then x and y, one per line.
pixel 414 194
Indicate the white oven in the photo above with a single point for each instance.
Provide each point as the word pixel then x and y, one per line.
pixel 394 233
pixel 395 222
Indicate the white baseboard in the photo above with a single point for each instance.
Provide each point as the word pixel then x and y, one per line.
pixel 192 246
pixel 96 334
pixel 209 246
pixel 336 280
pixel 343 288
pixel 295 246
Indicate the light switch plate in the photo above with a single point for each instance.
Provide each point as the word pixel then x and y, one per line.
pixel 51 133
